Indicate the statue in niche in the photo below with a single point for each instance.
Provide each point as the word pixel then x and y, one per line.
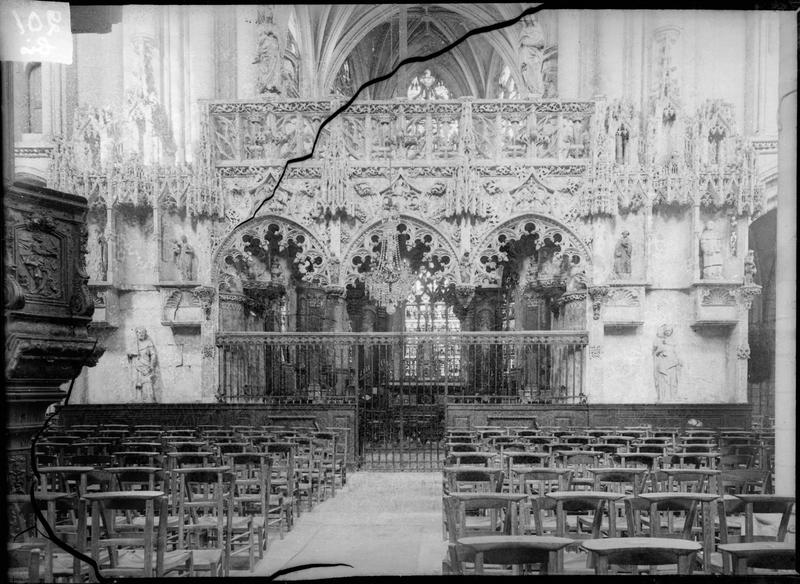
pixel 667 365
pixel 145 363
pixel 102 246
pixel 485 320
pixel 368 319
pixel 576 277
pixel 750 268
pixel 183 258
pixel 622 257
pixel 621 144
pixel 276 271
pixel 711 252
pixel 268 57
pixel 531 47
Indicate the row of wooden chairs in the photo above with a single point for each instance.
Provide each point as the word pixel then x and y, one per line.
pixel 215 500
pixel 655 529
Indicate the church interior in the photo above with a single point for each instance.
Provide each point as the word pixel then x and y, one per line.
pixel 279 292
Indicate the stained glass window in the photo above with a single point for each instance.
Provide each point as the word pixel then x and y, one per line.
pixel 426 311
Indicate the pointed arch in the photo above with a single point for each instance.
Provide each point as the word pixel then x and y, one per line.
pixel 439 248
pixel 490 252
pixel 233 264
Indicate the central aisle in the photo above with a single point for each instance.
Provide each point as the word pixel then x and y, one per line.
pixel 380 523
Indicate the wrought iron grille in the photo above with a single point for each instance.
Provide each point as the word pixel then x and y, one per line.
pixel 419 368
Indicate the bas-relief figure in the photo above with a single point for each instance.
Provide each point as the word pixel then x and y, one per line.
pixel 622 257
pixel 711 252
pixel 667 365
pixel 145 364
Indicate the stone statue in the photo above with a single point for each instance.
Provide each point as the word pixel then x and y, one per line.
pixel 102 246
pixel 145 362
pixel 485 320
pixel 368 320
pixel 711 252
pixel 185 260
pixel 531 47
pixel 576 278
pixel 276 271
pixel 750 268
pixel 268 54
pixel 667 365
pixel 622 257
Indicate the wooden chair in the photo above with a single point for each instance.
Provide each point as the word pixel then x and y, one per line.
pixel 283 480
pixel 204 506
pixel 251 499
pixel 23 564
pixel 130 553
pixel 738 517
pixel 477 514
pixel 522 552
pixel 632 552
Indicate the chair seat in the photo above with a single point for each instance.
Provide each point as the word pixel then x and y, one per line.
pixel 132 559
pixel 203 559
pixel 138 522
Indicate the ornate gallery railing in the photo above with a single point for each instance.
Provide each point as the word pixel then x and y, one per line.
pixel 401 130
pixel 400 368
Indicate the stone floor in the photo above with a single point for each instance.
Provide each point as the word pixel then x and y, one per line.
pixel 380 524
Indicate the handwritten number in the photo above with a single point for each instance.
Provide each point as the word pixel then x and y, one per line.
pixel 53 19
pixel 37 26
pixel 19 22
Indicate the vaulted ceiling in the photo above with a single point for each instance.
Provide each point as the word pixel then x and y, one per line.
pixel 368 38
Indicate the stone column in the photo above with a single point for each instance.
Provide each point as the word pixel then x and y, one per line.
pixel 593 378
pixel 201 67
pixel 610 35
pixel 568 53
pixel 246 44
pixel 786 274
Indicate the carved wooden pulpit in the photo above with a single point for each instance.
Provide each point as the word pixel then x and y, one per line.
pixel 48 308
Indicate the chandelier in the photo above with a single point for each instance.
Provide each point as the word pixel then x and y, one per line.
pixel 391 280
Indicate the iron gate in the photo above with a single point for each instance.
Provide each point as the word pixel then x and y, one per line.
pixel 400 383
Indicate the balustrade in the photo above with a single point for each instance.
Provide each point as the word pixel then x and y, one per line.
pixel 408 369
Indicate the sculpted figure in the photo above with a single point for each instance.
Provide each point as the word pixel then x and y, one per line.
pixel 750 268
pixel 531 47
pixel 622 257
pixel 186 260
pixel 102 245
pixel 145 362
pixel 667 365
pixel 711 252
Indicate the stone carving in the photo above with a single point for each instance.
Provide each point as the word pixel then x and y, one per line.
pixel 734 238
pixel 711 252
pixel 576 278
pixel 743 351
pixel 747 294
pixel 145 367
pixel 102 248
pixel 717 296
pixel 623 297
pixel 622 257
pixel 531 47
pixel 183 257
pixel 666 365
pixel 595 351
pixel 268 53
pixel 750 268
pixel 598 294
pixel 205 296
